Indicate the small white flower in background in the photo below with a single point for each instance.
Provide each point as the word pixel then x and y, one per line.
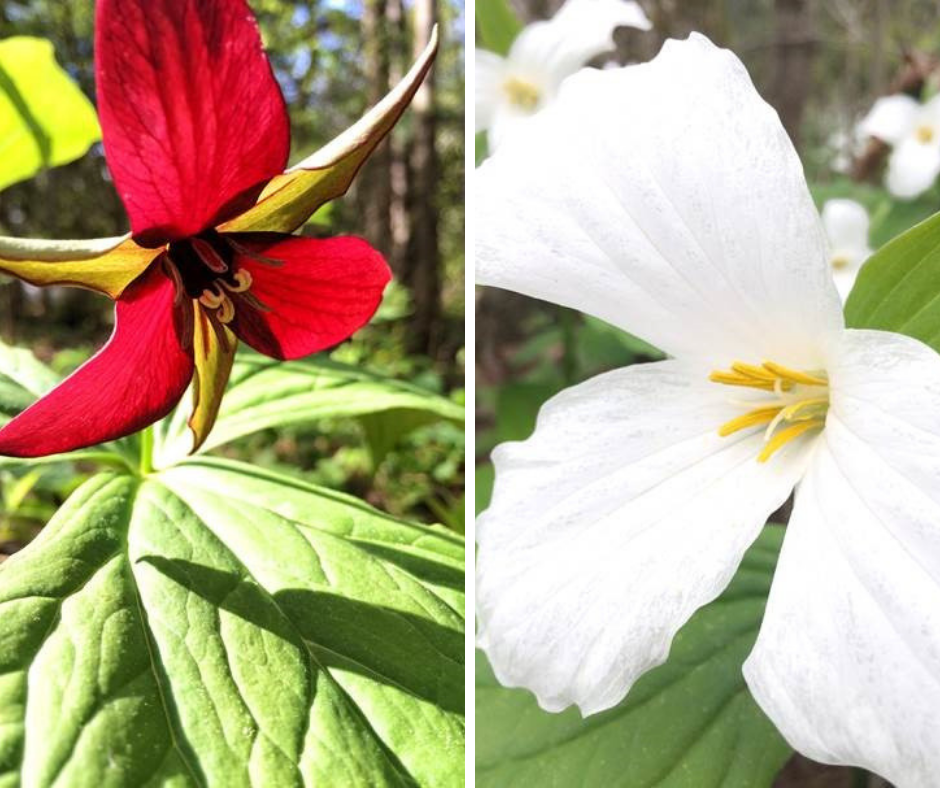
pixel 667 199
pixel 510 89
pixel 846 223
pixel 912 130
pixel 846 147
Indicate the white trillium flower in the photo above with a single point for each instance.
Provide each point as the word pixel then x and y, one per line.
pixel 510 89
pixel 912 129
pixel 667 200
pixel 846 224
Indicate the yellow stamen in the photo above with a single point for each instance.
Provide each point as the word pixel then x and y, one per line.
pixel 793 375
pixel 219 300
pixel 751 371
pixel 732 379
pixel 786 435
pixel 924 134
pixel 839 262
pixel 751 419
pixel 797 404
pixel 227 313
pixel 523 94
pixel 242 279
pixel 815 406
pixel 211 299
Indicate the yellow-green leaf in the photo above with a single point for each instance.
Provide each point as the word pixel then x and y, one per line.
pixel 106 265
pixel 45 119
pixel 214 352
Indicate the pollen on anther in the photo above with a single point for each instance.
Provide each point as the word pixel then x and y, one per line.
pixel 242 283
pixel 227 311
pixel 522 93
pixel 211 298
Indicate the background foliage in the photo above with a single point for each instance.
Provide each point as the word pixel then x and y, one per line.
pixel 821 65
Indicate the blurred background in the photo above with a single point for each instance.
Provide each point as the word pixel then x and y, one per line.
pixel 821 65
pixel 333 60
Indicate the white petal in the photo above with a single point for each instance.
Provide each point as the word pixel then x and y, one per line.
pixel 930 111
pixel 666 199
pixel 912 168
pixel 621 515
pixel 489 73
pixel 891 118
pixel 847 663
pixel 507 121
pixel 845 278
pixel 583 18
pixel 581 30
pixel 846 223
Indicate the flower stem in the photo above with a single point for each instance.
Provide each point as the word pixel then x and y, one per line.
pixel 146 451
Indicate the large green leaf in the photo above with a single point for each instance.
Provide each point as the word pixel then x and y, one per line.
pixel 265 393
pixel 898 289
pixel 690 722
pixel 497 25
pixel 219 625
pixel 23 379
pixel 45 119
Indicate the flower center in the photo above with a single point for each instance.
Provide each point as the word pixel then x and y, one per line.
pixel 206 271
pixel 839 262
pixel 796 402
pixel 522 94
pixel 925 134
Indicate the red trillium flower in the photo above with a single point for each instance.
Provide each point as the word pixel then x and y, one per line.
pixel 196 136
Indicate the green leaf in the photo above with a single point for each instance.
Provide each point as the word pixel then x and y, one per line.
pixel 898 289
pixel 497 25
pixel 518 406
pixel 483 489
pixel 265 393
pixel 14 494
pixel 602 346
pixel 220 625
pixel 690 722
pixel 385 430
pixel 480 147
pixel 23 379
pixel 45 119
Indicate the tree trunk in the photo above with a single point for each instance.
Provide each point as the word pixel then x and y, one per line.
pixel 374 190
pixel 399 58
pixel 794 46
pixel 423 264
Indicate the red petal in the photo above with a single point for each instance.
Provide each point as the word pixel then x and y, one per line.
pixel 324 292
pixel 134 380
pixel 193 120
